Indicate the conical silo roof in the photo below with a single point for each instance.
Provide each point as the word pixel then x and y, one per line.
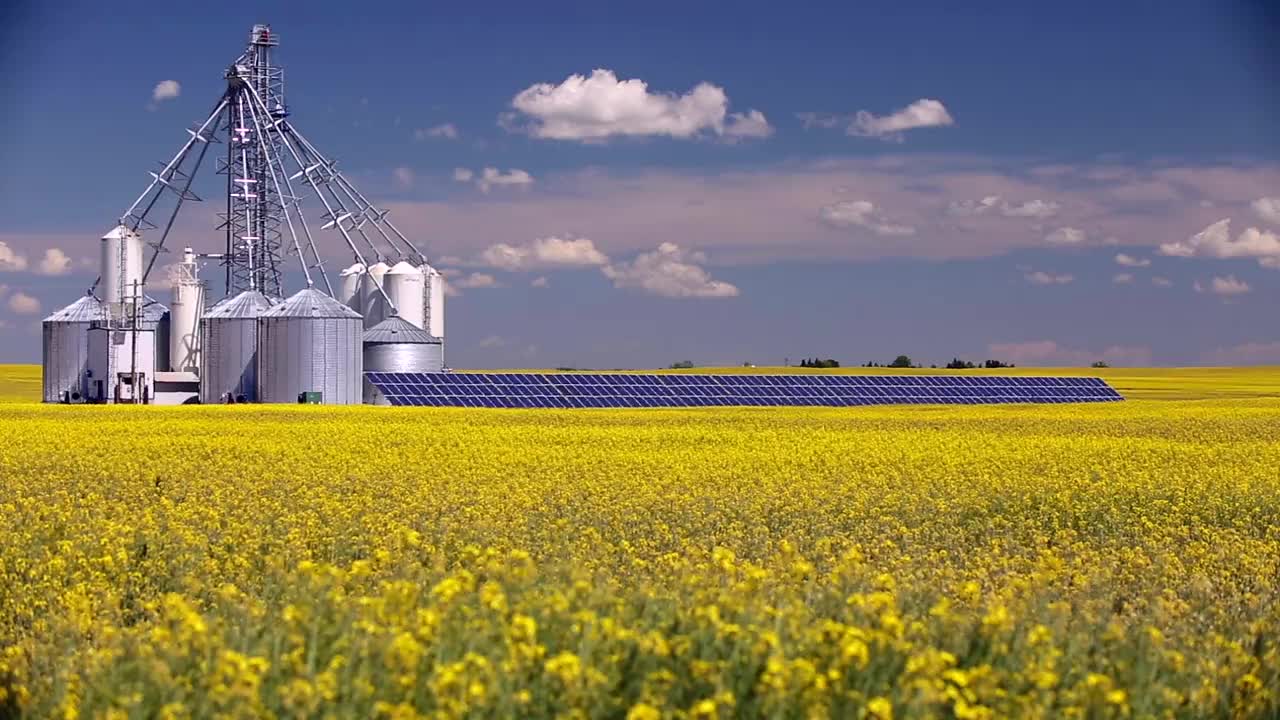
pixel 248 304
pixel 153 310
pixel 87 309
pixel 310 303
pixel 400 331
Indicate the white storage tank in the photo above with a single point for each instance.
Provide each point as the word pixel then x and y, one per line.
pixel 120 269
pixel 66 349
pixel 395 345
pixel 310 343
pixel 154 316
pixel 229 347
pixel 434 310
pixel 371 303
pixel 349 286
pixel 184 316
pixel 406 286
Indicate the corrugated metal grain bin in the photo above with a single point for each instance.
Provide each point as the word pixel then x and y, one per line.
pixel 396 345
pixel 229 347
pixel 310 343
pixel 66 348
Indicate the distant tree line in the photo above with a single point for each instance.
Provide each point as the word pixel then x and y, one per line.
pixel 905 361
pixel 958 364
pixel 819 363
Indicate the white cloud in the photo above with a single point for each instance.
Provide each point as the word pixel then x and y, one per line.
pixel 1065 236
pixel 1267 208
pixel 543 253
pixel 445 131
pixel 970 208
pixel 922 113
pixel 1039 277
pixel 1038 209
pixel 1161 282
pixel 10 259
pixel 669 271
pixel 493 341
pixel 540 282
pixel 1228 285
pixel 23 304
pixel 862 213
pixel 1048 352
pixel 54 262
pixel 1131 261
pixel 601 106
pixel 474 281
pixel 492 177
pixel 165 90
pixel 1215 242
pixel 759 214
pixel 749 125
pixel 403 177
pixel 1122 278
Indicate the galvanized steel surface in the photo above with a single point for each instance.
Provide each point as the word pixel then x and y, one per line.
pixel 372 304
pixel 229 346
pixel 434 305
pixel 155 317
pixel 349 286
pixel 310 343
pixel 406 286
pixel 120 266
pixel 397 330
pixel 65 341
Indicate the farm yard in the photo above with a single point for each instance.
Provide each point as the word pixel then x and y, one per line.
pixel 1112 560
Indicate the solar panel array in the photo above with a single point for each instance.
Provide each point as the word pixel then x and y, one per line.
pixel 613 390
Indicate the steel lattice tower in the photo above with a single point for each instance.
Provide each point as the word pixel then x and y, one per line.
pixel 255 209
pixel 268 166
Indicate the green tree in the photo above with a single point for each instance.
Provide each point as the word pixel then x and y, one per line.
pixel 902 361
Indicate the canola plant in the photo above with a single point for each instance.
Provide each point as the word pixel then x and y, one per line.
pixel 968 562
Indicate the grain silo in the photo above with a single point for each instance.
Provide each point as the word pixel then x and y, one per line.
pixel 121 271
pixel 184 316
pixel 66 348
pixel 309 350
pixel 349 286
pixel 406 287
pixel 372 303
pixel 228 348
pixel 155 317
pixel 395 345
pixel 434 306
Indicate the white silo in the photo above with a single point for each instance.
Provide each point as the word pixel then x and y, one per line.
pixel 434 310
pixel 121 270
pixel 371 303
pixel 184 315
pixel 309 344
pixel 229 348
pixel 349 286
pixel 395 345
pixel 66 349
pixel 406 286
pixel 154 316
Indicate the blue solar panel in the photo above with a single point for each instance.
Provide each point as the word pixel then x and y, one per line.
pixel 544 390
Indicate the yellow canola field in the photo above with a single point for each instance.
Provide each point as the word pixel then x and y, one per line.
pixel 1118 560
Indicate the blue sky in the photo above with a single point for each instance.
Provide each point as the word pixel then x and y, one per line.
pixel 1040 182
